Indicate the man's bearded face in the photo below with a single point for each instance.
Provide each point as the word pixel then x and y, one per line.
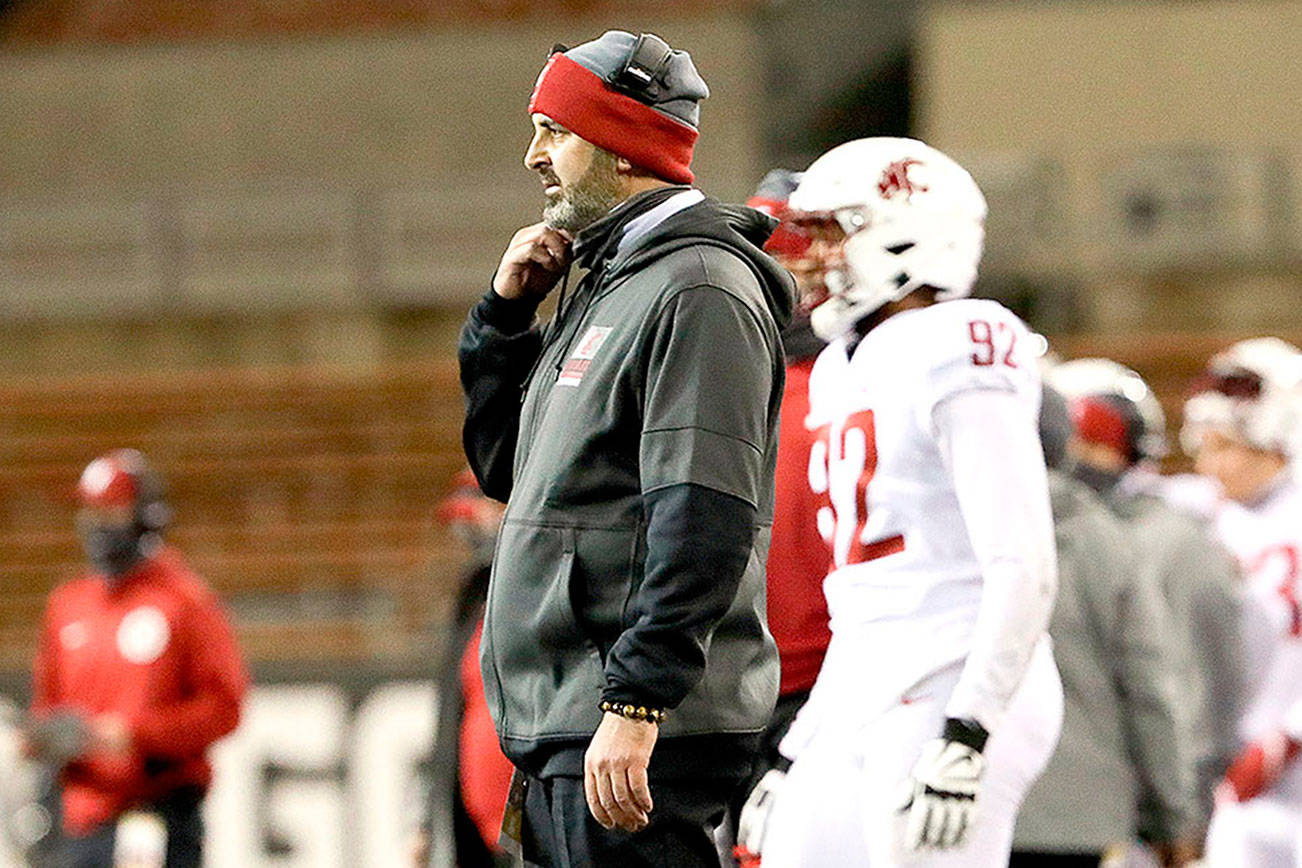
pixel 581 181
pixel 584 201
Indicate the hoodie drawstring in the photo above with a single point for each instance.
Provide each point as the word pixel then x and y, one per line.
pixel 549 338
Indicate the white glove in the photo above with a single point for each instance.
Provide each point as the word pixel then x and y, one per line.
pixel 942 802
pixel 755 815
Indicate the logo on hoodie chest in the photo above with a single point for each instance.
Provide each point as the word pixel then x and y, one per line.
pixel 143 635
pixel 580 360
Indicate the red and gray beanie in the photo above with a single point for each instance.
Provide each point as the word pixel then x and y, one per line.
pixel 632 95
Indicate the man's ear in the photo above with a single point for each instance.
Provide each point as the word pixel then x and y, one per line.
pixel 623 166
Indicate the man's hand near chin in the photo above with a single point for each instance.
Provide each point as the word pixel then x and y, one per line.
pixel 534 262
pixel 615 772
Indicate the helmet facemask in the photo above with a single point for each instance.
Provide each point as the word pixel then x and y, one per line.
pixel 814 252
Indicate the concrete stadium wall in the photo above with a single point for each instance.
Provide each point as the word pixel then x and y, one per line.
pixel 286 175
pixel 1147 150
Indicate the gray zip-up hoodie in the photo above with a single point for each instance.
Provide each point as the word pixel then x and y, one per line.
pixel 1121 745
pixel 1200 583
pixel 638 456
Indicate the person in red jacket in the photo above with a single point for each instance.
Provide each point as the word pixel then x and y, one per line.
pixel 796 566
pixel 798 559
pixel 470 776
pixel 137 673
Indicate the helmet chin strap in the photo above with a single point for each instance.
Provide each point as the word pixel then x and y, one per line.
pixel 842 310
pixel 838 281
pixel 833 318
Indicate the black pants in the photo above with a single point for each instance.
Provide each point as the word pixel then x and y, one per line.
pixel 179 813
pixel 768 757
pixel 1031 859
pixel 560 832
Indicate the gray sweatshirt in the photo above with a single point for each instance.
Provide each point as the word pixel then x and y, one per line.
pixel 1120 748
pixel 1199 580
pixel 637 461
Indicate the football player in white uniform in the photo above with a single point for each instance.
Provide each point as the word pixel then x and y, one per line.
pixel 1242 427
pixel 938 702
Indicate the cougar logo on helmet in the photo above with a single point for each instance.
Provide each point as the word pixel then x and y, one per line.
pixel 895 179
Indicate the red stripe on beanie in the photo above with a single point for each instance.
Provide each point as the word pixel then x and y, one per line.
pixel 576 98
pixel 1098 422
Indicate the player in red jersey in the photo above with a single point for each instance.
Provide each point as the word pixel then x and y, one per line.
pixel 470 776
pixel 798 559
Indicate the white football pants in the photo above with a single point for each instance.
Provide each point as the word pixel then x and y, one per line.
pixel 840 803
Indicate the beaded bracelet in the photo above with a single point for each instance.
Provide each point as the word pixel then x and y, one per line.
pixel 634 712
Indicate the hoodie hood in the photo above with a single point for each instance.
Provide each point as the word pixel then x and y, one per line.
pixel 798 339
pixel 737 228
pixel 1068 496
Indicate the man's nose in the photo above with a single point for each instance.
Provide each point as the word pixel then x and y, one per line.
pixel 535 157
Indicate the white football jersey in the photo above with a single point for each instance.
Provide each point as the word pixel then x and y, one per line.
pixel 1266 538
pixel 905 581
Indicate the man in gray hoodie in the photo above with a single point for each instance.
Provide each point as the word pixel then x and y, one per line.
pixel 626 658
pixel 1120 770
pixel 1120 436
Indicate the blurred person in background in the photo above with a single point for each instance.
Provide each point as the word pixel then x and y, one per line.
pixel 1241 425
pixel 937 703
pixel 1119 770
pixel 1119 438
pixel 626 658
pixel 137 673
pixel 470 775
pixel 798 559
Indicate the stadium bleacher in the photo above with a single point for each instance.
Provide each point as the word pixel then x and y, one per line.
pixel 305 497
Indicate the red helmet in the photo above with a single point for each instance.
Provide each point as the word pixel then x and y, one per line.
pixel 771 198
pixel 1111 405
pixel 124 477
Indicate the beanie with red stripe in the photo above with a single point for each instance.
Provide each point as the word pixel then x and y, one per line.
pixel 632 95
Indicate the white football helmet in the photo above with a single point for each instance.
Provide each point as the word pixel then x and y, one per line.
pixel 1104 378
pixel 1252 390
pixel 909 215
